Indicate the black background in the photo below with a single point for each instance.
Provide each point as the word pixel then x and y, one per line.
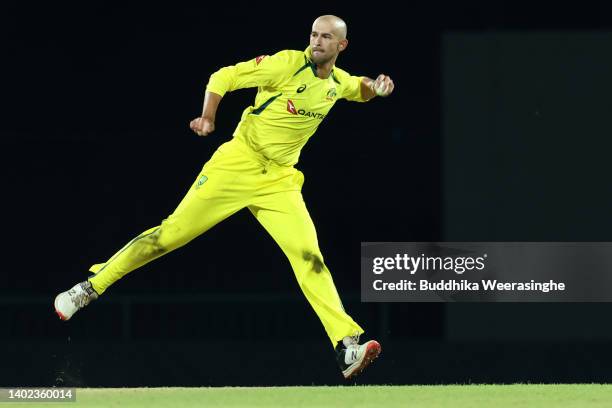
pixel 96 101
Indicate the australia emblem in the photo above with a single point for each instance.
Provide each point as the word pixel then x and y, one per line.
pixel 331 94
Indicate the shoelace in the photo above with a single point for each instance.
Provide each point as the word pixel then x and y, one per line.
pixel 354 339
pixel 80 299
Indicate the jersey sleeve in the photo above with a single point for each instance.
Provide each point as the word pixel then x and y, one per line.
pixel 265 71
pixel 351 86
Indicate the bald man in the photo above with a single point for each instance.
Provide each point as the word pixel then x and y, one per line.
pixel 255 170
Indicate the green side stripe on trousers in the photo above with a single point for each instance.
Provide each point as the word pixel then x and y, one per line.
pixel 125 248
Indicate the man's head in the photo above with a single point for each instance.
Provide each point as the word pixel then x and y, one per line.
pixel 327 38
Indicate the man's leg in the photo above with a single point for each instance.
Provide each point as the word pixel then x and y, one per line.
pixel 285 217
pixel 202 208
pixel 208 202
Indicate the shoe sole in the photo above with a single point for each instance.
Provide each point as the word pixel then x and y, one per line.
pixel 371 353
pixel 61 316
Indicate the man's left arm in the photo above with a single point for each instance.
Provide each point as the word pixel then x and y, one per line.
pixel 361 88
pixel 382 86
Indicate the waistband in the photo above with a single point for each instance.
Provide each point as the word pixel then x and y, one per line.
pixel 265 162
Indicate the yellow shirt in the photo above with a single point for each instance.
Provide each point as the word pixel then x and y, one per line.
pixel 290 104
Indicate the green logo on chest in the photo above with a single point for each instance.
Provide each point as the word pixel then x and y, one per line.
pixel 331 94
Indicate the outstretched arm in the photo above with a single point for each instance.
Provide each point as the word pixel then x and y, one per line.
pixel 382 86
pixel 205 124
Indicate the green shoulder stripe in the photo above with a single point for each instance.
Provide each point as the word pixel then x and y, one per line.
pixel 265 105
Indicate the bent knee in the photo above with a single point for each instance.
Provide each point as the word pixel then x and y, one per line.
pixel 154 241
pixel 169 236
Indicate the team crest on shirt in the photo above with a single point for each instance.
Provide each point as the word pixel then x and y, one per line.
pixel 331 94
pixel 258 59
pixel 201 181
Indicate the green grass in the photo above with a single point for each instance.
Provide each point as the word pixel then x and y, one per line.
pixel 455 396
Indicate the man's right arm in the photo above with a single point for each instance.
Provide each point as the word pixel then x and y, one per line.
pixel 266 71
pixel 205 124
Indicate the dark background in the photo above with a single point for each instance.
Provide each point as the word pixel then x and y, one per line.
pixel 498 131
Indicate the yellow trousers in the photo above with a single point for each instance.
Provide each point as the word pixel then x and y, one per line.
pixel 234 178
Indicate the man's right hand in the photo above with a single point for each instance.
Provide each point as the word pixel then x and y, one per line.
pixel 202 126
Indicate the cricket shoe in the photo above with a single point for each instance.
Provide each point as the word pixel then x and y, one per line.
pixel 69 302
pixel 353 358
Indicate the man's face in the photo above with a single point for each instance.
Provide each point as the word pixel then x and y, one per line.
pixel 324 42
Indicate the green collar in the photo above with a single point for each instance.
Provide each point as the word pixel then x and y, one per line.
pixel 309 63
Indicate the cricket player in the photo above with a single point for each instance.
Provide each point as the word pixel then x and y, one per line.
pixel 255 170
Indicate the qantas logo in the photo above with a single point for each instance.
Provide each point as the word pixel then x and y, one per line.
pixel 258 59
pixel 291 107
pixel 311 114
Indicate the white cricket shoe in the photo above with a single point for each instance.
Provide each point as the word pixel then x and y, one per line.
pixel 69 302
pixel 353 358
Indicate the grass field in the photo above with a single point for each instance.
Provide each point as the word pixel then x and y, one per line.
pixel 457 396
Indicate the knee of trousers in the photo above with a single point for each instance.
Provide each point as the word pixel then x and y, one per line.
pixel 166 238
pixel 308 263
pixel 314 260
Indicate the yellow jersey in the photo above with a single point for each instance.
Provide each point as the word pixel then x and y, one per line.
pixel 290 104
